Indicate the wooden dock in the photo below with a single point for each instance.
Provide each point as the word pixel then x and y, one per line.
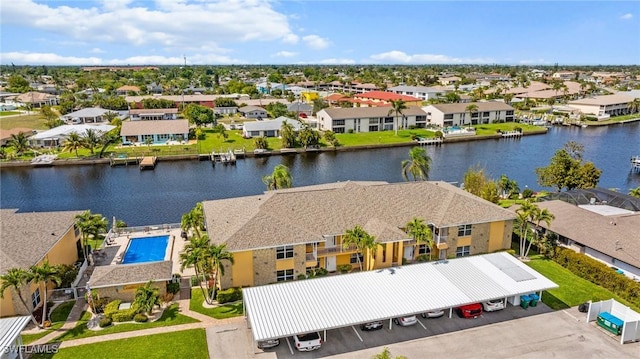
pixel 124 160
pixel 225 158
pixel 148 163
pixel 429 141
pixel 511 134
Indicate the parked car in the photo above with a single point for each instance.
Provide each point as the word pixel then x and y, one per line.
pixel 406 321
pixel 470 310
pixel 372 326
pixel 266 344
pixel 493 305
pixel 307 342
pixel 433 314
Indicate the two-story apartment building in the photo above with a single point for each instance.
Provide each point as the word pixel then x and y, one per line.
pixel 30 239
pixel 153 114
pixel 456 114
pixel 603 106
pixel 383 98
pixel 422 92
pixel 280 235
pixel 369 119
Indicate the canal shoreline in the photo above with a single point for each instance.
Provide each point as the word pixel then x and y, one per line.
pixel 105 161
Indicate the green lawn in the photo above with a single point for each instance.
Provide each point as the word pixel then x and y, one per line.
pixel 381 137
pixel 228 310
pixel 58 317
pixel 573 290
pixel 190 344
pixel 9 113
pixel 35 122
pixel 169 317
pixel 490 129
pixel 612 120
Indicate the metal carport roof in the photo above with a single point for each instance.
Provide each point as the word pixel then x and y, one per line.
pixel 284 309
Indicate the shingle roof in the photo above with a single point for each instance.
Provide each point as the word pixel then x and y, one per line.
pixel 305 214
pixel 413 89
pixel 26 237
pixel 121 274
pixel 33 96
pixel 462 107
pixel 88 112
pixel 251 109
pixel 65 130
pixel 167 127
pixel 603 100
pixel 271 125
pixel 363 112
pixel 138 111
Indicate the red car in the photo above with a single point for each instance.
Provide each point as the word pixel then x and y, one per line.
pixel 470 310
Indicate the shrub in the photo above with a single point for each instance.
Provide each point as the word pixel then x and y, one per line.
pixel 140 318
pixel 100 303
pixel 111 308
pixel 527 193
pixel 422 258
pixel 512 252
pixel 321 272
pixel 518 129
pixel 350 130
pixel 345 268
pixel 67 273
pixel 105 322
pixel 125 315
pixel 173 288
pixel 195 281
pixel 229 295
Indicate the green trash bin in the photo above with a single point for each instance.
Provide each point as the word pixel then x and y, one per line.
pixel 534 299
pixel 524 301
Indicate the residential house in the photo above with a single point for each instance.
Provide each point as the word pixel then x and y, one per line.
pixel 369 119
pixel 5 135
pixel 178 100
pixel 158 131
pixel 383 98
pixel 603 107
pixel 86 115
pixel 449 80
pixel 564 75
pixel 30 239
pixel 301 108
pixel 127 90
pixel 268 128
pixel 271 243
pixel 253 112
pixel 58 135
pixel 153 114
pixel 422 92
pixel 225 110
pixel 36 99
pixel 122 280
pixel 456 114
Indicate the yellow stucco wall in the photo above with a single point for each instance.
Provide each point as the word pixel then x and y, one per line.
pixel 496 236
pixel 6 304
pixel 384 256
pixel 464 241
pixel 64 252
pixel 282 264
pixel 344 259
pixel 242 269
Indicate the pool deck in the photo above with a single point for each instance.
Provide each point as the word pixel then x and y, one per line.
pixel 113 250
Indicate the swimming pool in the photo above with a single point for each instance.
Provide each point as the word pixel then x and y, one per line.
pixel 146 249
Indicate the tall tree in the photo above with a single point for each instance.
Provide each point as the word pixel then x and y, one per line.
pixel 471 109
pixel 91 139
pixel 19 142
pixel 421 233
pixel 537 216
pixel 91 226
pixel 309 137
pixel 288 135
pixel 567 170
pixel 524 213
pixel 45 273
pixel 364 243
pixel 217 255
pixel 194 255
pixel 397 108
pixel 146 298
pixel 194 219
pixel 417 165
pixel 72 143
pixel 16 278
pixel 280 178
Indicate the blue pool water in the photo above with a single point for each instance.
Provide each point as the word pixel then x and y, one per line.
pixel 146 249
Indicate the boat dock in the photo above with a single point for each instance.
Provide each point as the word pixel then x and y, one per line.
pixel 428 141
pixel 225 158
pixel 635 164
pixel 123 160
pixel 509 134
pixel 148 163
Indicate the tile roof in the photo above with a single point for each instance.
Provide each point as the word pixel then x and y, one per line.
pixel 386 96
pixel 305 214
pixel 6 134
pixel 603 100
pixel 462 107
pixel 128 88
pixel 138 111
pixel 404 88
pixel 251 108
pixel 363 112
pixel 27 237
pixel 134 128
pixel 271 125
pixel 35 97
pixel 121 274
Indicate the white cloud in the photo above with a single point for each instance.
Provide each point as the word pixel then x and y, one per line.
pixel 335 62
pixel 171 23
pixel 20 58
pixel 399 57
pixel 533 62
pixel 284 54
pixel 316 42
pixel 627 16
pixel 97 50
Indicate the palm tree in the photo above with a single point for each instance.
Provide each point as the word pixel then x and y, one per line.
pixel 15 278
pixel 91 139
pixel 362 240
pixel 421 233
pixel 91 226
pixel 288 135
pixel 471 109
pixel 280 178
pixel 216 256
pixel 635 192
pixel 73 142
pixel 146 298
pixel 634 106
pixel 19 143
pixel 386 354
pixel 194 255
pixel 523 214
pixel 417 165
pixel 45 273
pixel 397 107
pixel 538 216
pixel 194 219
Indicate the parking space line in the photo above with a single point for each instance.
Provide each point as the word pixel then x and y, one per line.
pixel 289 344
pixel 419 322
pixel 358 334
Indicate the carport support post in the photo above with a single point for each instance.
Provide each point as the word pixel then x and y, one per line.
pixel 390 322
pixel 325 335
pixel 450 312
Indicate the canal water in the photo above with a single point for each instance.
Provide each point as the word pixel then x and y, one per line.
pixel 164 194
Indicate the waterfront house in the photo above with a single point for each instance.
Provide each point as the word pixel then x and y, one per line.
pixel 36 99
pixel 383 98
pixel 225 110
pixel 253 112
pixel 5 135
pixel 603 107
pixel 86 115
pixel 58 135
pixel 127 89
pixel 281 235
pixel 300 108
pixel 422 92
pixel 369 119
pixel 456 114
pixel 157 131
pixel 30 239
pixel 153 114
pixel 268 128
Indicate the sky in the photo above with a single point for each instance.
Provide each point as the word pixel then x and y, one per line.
pixel 226 32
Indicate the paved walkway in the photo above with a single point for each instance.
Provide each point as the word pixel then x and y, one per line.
pixel 74 316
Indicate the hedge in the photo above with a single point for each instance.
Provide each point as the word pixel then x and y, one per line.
pixel 125 315
pixel 599 273
pixel 111 308
pixel 104 322
pixel 229 295
pixel 140 318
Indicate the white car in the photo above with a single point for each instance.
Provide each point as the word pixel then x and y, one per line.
pixel 433 314
pixel 493 305
pixel 307 342
pixel 406 321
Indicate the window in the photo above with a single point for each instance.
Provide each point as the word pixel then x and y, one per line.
pixel 338 129
pixel 76 230
pixel 485 114
pixel 284 252
pixel 35 298
pixel 283 275
pixel 354 258
pixel 464 230
pixel 338 122
pixel 510 113
pixel 424 249
pixel 421 118
pixel 373 128
pixel 388 120
pixel 463 251
pixel 448 116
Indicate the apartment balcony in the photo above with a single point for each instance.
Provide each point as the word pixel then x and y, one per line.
pixel 311 260
pixel 330 251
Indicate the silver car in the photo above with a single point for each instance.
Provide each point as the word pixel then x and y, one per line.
pixel 266 344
